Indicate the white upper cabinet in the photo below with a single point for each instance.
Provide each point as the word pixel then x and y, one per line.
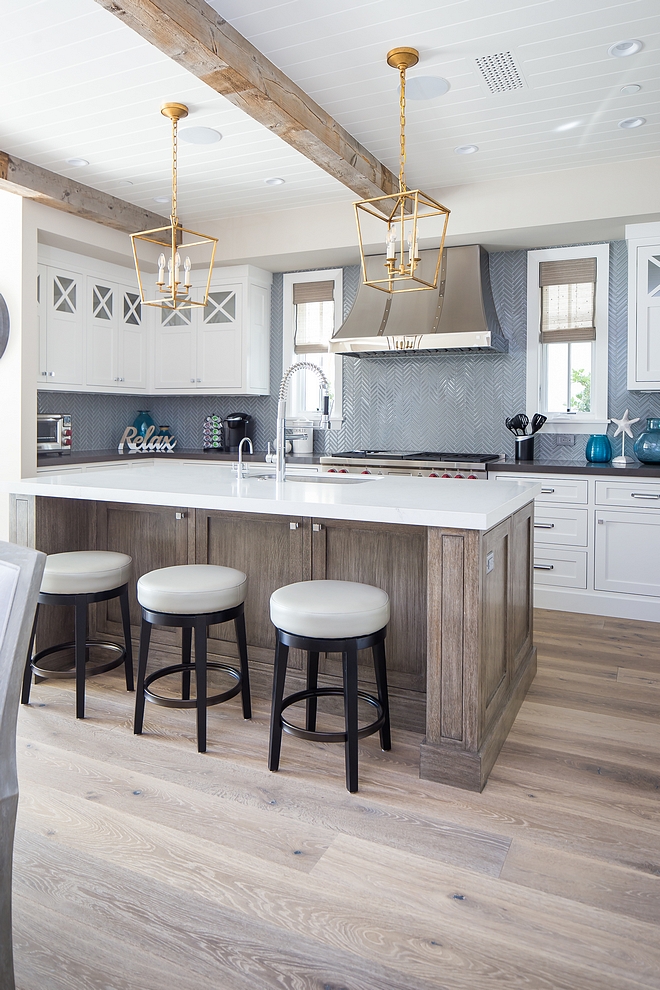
pixel 644 306
pixel 61 328
pixel 95 335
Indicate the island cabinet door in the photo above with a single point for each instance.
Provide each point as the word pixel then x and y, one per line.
pixel 154 536
pixel 271 551
pixel 393 558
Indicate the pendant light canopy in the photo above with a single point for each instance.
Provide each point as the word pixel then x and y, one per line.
pixel 163 248
pixel 407 214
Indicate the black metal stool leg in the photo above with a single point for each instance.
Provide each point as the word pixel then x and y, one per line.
pixel 186 654
pixel 312 684
pixel 200 677
pixel 241 640
pixel 143 653
pixel 27 673
pixel 80 655
pixel 126 623
pixel 381 684
pixel 349 658
pixel 279 676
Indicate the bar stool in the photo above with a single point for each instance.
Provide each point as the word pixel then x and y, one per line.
pixel 79 578
pixel 329 617
pixel 192 596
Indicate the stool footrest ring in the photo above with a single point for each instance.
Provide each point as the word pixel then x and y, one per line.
pixel 89 671
pixel 182 668
pixel 331 737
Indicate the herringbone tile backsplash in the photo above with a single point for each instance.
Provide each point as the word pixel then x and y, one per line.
pixel 405 402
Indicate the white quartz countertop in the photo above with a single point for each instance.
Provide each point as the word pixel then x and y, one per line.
pixel 445 502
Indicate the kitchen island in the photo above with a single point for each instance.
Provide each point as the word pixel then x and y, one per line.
pixel 455 558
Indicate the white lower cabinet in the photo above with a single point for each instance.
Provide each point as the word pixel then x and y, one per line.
pixel 597 544
pixel 627 552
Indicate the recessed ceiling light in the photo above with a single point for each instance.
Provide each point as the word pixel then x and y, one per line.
pixel 571 125
pixel 466 149
pixel 275 181
pixel 200 135
pixel 624 48
pixel 161 199
pixel 630 90
pixel 124 182
pixel 77 162
pixel 632 122
pixel 426 87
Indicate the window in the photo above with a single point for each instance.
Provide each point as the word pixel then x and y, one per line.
pixel 567 315
pixel 312 311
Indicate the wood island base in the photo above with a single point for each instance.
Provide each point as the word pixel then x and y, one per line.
pixel 460 656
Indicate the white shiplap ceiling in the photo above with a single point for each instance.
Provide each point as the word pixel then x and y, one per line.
pixel 77 82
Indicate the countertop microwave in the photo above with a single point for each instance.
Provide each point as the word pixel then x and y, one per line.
pixel 54 432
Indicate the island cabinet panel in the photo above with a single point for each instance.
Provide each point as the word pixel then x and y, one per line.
pixel 154 536
pixel 480 655
pixel 392 558
pixel 273 551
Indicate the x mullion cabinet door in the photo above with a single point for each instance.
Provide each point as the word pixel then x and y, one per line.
pixel 102 333
pixel 62 305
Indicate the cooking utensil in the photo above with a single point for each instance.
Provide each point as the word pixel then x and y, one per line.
pixel 537 422
pixel 519 423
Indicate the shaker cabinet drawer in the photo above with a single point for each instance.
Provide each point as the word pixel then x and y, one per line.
pixel 553 489
pixel 560 568
pixel 638 495
pixel 558 525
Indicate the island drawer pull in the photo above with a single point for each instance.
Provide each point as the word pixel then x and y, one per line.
pixel 643 495
pixel 544 567
pixel 179 515
pixel 544 525
pixel 547 491
pixel 293 525
pixel 317 527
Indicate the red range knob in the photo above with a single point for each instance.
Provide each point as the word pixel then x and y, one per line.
pixel 332 470
pixel 458 475
pixel 434 475
pixel 366 471
pixel 446 475
pixel 472 477
pixel 343 470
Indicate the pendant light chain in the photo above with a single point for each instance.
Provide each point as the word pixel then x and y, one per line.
pixel 174 216
pixel 402 105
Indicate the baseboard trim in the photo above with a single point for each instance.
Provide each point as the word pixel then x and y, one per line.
pixel 593 603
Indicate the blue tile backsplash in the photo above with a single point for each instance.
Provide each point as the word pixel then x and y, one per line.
pixel 404 402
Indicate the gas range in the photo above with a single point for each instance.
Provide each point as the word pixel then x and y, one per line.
pixel 422 464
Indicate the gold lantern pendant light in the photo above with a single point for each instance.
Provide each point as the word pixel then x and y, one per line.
pixel 174 280
pixel 404 213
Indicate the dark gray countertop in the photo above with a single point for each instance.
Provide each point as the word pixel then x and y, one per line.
pixel 546 465
pixel 191 453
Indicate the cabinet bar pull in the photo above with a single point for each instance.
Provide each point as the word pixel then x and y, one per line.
pixel 547 491
pixel 544 567
pixel 642 495
pixel 544 525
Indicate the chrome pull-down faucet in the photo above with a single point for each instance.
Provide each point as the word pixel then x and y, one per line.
pixel 240 467
pixel 281 410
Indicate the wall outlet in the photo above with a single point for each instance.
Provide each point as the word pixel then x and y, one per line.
pixel 564 439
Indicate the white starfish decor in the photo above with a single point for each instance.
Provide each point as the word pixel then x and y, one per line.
pixel 623 427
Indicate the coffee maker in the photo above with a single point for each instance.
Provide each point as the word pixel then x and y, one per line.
pixel 235 428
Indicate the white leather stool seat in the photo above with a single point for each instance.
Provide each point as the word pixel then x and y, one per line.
pixel 81 572
pixel 329 609
pixel 192 589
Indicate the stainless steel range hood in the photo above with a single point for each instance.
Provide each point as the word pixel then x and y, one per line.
pixel 458 315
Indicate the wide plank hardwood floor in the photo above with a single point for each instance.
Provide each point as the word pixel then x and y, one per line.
pixel 142 865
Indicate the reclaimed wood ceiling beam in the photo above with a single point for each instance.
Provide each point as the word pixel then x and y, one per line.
pixel 196 37
pixel 55 190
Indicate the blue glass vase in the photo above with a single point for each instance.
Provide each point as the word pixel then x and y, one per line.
pixel 142 422
pixel 647 444
pixel 598 448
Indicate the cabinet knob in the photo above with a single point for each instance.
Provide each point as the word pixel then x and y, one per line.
pixel 179 515
pixel 51 374
pixel 199 379
pixel 317 527
pixel 293 525
pixel 192 381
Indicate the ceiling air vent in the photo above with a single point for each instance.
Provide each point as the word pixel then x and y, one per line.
pixel 500 72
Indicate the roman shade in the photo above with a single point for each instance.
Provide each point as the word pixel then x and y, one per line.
pixel 314 320
pixel 567 300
